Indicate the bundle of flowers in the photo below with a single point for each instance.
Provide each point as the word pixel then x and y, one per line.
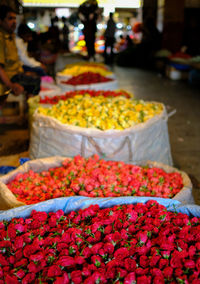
pixel 142 243
pixel 94 177
pixel 102 112
pixel 79 68
pixel 87 78
pixel 91 93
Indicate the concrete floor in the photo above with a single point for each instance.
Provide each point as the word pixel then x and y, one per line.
pixel 184 125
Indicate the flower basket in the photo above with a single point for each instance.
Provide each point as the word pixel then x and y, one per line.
pixel 8 199
pixel 83 240
pixel 88 80
pixel 144 141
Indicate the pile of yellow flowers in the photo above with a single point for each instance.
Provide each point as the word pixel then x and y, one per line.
pixel 79 68
pixel 102 112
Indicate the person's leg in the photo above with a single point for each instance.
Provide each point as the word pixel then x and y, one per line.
pixel 38 70
pixel 31 84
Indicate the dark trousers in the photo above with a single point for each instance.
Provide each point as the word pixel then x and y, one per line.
pixel 31 84
pixel 38 70
pixel 90 41
pixel 109 43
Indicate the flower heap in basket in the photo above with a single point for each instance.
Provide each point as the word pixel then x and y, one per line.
pixel 95 110
pixel 142 243
pixel 91 93
pixel 94 177
pixel 87 78
pixel 82 67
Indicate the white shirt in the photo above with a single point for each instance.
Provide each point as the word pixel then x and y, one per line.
pixel 23 54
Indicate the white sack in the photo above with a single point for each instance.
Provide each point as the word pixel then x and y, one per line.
pixel 110 85
pixel 53 90
pixel 145 141
pixel 8 200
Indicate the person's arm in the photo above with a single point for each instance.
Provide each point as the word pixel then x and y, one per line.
pixel 15 87
pixel 23 54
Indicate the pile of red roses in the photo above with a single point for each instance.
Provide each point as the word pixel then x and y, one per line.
pixel 95 177
pixel 127 244
pixel 92 93
pixel 87 78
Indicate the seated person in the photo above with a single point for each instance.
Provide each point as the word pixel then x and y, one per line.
pixel 29 63
pixel 12 76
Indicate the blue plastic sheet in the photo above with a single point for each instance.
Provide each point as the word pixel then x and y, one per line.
pixel 23 160
pixel 74 203
pixel 6 169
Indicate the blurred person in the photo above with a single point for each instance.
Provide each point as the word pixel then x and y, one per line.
pixel 88 14
pixel 109 39
pixel 121 43
pixel 65 33
pixel 142 54
pixel 12 76
pixel 29 63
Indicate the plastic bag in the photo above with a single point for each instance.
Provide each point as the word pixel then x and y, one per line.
pixel 145 141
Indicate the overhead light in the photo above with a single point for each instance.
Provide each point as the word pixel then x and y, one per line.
pixel 31 25
pixel 119 25
pixel 80 26
pixel 99 26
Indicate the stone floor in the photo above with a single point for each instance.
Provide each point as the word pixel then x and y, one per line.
pixel 183 126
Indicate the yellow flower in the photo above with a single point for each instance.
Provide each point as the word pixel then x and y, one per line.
pixel 102 112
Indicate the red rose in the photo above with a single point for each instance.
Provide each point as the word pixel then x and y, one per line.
pixel 144 261
pixel 64 279
pixel 121 253
pixel 36 257
pixel 11 279
pixel 156 272
pixel 130 264
pixel 175 261
pixel 20 273
pixel 3 260
pixel 23 262
pixel 110 273
pixel 79 260
pixel 167 272
pixel 28 278
pixel 66 261
pixel 1 272
pixel 97 260
pixel 159 280
pixel 109 248
pixel 163 263
pixel 141 271
pixel 178 272
pixel 121 272
pixel 154 260
pixel 86 272
pixel 130 278
pixel 144 280
pixel 33 267
pixel 142 236
pixel 53 271
pixel 95 248
pixel 76 276
pixel 189 264
pixel 108 229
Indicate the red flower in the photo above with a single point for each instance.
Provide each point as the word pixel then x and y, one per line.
pixel 121 253
pixel 66 261
pixel 29 278
pixel 64 279
pixel 53 271
pixel 11 279
pixel 76 276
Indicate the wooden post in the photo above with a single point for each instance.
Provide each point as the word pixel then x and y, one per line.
pixel 173 24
